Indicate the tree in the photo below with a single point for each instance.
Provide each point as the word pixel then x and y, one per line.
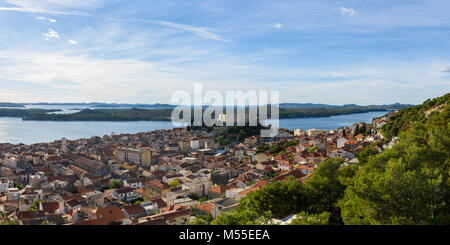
pixel 312 149
pixel 198 221
pixel 324 188
pixel 35 204
pixel 367 153
pixel 242 217
pixel 305 218
pixel 278 198
pixel 116 184
pixel 242 135
pixel 363 129
pixel 356 132
pixel 174 183
pixel 9 223
pixel 193 196
pixel 408 184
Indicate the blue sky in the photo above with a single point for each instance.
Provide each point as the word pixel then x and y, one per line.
pixel 141 51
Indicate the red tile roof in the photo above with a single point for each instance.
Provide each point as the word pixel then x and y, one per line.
pixel 134 209
pixel 50 207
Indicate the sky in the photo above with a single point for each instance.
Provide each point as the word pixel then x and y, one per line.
pixel 142 51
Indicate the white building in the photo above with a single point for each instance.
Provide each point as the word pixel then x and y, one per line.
pixel 133 183
pixel 11 161
pixel 199 186
pixel 299 132
pixel 342 154
pixel 4 184
pixel 195 144
pixel 340 142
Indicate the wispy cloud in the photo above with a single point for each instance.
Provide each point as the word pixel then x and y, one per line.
pixel 200 31
pixel 278 25
pixel 298 48
pixel 51 35
pixel 33 10
pixel 347 11
pixel 54 7
pixel 446 69
pixel 45 18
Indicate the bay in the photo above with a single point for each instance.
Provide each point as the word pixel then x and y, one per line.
pixel 15 130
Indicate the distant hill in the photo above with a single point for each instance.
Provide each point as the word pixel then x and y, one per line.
pixel 110 105
pixel 169 106
pixel 312 105
pixel 7 104
pixel 153 112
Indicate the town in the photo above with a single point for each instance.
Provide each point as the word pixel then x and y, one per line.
pixel 163 177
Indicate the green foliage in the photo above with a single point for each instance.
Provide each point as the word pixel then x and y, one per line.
pixel 327 111
pixel 318 195
pixel 278 148
pixel 408 184
pixel 356 130
pixel 242 135
pixel 9 223
pixel 198 221
pixel 305 218
pixel 202 199
pixel 35 205
pixel 200 218
pixel 164 114
pixel 133 114
pixel 262 148
pixel 193 196
pixel 278 198
pixel 7 112
pixel 312 149
pixel 325 188
pixel 418 114
pixel 116 184
pixel 242 217
pixel 366 153
pixel 237 133
pixel 174 183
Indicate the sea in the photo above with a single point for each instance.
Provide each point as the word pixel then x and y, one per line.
pixel 15 130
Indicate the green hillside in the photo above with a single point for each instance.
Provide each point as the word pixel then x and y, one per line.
pixel 435 111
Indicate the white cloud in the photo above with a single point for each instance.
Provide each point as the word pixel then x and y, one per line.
pixel 200 31
pixel 65 77
pixel 73 42
pixel 278 25
pixel 56 7
pixel 446 69
pixel 347 11
pixel 45 18
pixel 51 35
pixel 32 10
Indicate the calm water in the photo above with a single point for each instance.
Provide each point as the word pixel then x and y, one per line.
pixel 327 123
pixel 14 130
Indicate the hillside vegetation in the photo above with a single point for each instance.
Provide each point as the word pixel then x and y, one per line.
pixel 435 111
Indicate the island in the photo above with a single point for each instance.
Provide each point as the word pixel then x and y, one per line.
pixel 286 110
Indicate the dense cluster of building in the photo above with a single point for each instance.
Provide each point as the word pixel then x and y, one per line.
pixel 158 177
